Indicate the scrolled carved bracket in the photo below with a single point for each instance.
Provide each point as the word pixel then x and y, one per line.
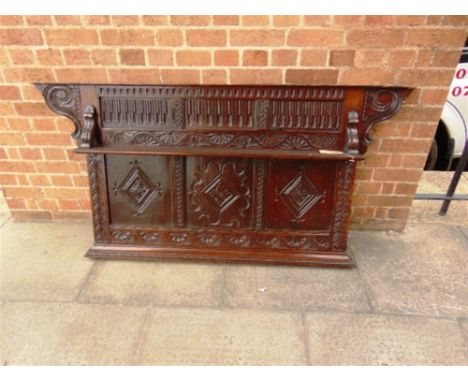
pixel 64 100
pixel 380 104
pixel 86 134
pixel 352 135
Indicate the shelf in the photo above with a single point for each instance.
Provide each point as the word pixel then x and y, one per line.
pixel 222 152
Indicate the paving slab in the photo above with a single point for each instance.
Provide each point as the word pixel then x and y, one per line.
pixel 70 334
pixel 295 288
pixel 168 283
pixel 421 271
pixel 43 261
pixel 364 339
pixel 223 337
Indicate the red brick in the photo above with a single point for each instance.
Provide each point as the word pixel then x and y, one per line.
pixel 414 160
pixel 9 93
pixel 426 77
pixel 97 20
pixel 11 20
pixel 11 139
pixel 23 192
pixel 140 76
pixel 160 57
pixel 83 75
pixel 16 166
pixel 53 154
pixel 19 124
pixel 32 109
pixel 214 77
pixel 387 188
pixel 284 57
pixel 313 57
pixel 46 204
pixel 255 20
pixel 317 20
pixel 131 37
pixel 61 180
pixel 44 139
pixel 419 113
pixel 69 204
pixel 447 58
pixel 193 58
pixel 370 57
pixel 49 56
pixel 77 56
pixel 379 20
pixel 155 20
pixel 7 179
pixel 57 167
pixel 39 180
pixel 401 58
pixel 368 76
pixel 256 76
pixel 342 57
pixel 38 20
pixel 64 193
pixel 206 38
pixel 72 36
pixel 29 153
pixel 425 57
pixel 384 38
pixel 455 20
pixel 348 21
pixel 104 57
pixel 406 188
pixel 170 37
pixel 68 20
pixel 226 20
pixel 20 36
pixel 255 58
pixel 180 76
pixel 312 76
pixel 190 20
pixel 410 20
pixel 125 20
pixel 286 21
pixel 315 37
pixel 433 96
pixel 416 146
pixel 436 37
pixel 132 56
pixel 44 124
pixel 22 56
pixel 226 57
pixel 257 37
pixel 399 213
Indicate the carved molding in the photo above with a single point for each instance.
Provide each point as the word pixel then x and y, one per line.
pixel 352 133
pixel 226 140
pixel 64 100
pixel 86 135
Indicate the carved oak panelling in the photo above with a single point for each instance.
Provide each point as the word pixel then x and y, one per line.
pixel 139 189
pixel 299 196
pixel 220 192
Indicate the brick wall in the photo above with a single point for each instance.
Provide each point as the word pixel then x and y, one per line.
pixel 42 178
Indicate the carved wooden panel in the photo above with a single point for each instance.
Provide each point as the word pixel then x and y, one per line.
pixel 222 173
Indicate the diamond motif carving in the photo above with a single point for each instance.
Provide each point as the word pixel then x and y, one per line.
pixel 299 195
pixel 138 188
pixel 219 194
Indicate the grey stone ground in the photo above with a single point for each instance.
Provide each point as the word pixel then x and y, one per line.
pixel 406 303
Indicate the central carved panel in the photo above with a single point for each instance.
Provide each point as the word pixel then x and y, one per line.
pixel 220 192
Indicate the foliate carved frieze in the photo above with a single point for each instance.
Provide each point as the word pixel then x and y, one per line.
pixel 219 238
pixel 279 141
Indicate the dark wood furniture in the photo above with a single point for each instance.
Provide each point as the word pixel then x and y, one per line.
pixel 222 173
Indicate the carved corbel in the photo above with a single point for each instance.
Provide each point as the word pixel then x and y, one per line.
pixel 64 100
pixel 352 134
pixel 380 104
pixel 87 133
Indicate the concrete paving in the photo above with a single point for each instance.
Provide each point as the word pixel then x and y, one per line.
pixel 405 304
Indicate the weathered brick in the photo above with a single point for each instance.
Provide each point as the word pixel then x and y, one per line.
pixel 379 20
pixel 193 58
pixel 180 76
pixel 9 93
pixel 155 20
pixel 11 20
pixel 317 20
pixel 206 38
pixel 384 38
pixel 436 37
pixel 38 20
pixel 20 36
pixel 257 37
pixel 30 153
pixel 11 139
pixel 97 20
pixel 104 56
pixel 256 76
pixel 131 37
pixel 342 57
pixel 314 57
pixel 68 20
pixel 125 20
pixel 433 96
pixel 214 77
pixel 32 109
pixel 169 37
pixel 132 56
pixel 401 58
pixel 447 58
pixel 77 56
pixel 286 21
pixel 370 57
pixel 49 56
pixel 190 20
pixel 368 76
pixel 311 76
pixel 315 37
pixel 226 20
pixel 72 36
pixel 139 76
pixel 255 20
pixel 226 57
pixel 425 77
pixel 255 58
pixel 81 75
pixel 160 57
pixel 410 20
pixel 44 139
pixel 22 56
pixel 284 57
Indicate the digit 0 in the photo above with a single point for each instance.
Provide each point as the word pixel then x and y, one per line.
pixel 456 91
pixel 461 73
